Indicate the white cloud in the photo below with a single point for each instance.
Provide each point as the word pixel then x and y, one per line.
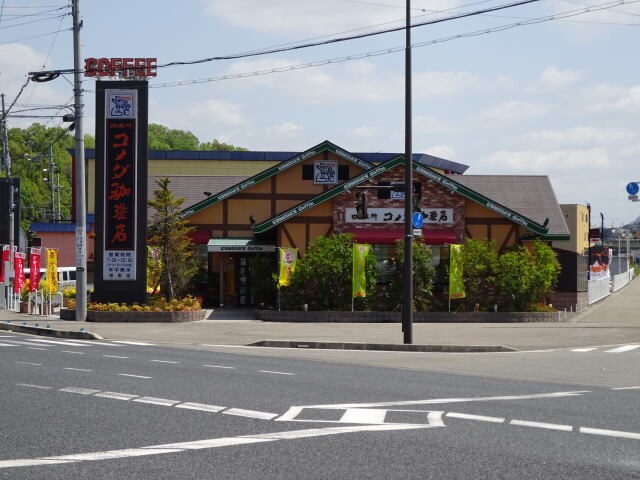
pixel 438 84
pixel 364 132
pixel 216 111
pixel 442 151
pixel 581 135
pixel 553 78
pixel 286 128
pixel 514 110
pixel 617 99
pixel 540 162
pixel 429 125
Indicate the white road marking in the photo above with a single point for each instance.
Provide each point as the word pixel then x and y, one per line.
pixel 30 363
pixel 250 414
pixel 81 391
pixel 368 416
pixel 30 385
pixel 627 388
pixel 95 342
pixel 456 400
pixel 156 401
pixel 116 395
pixel 69 351
pixel 610 433
pixel 57 342
pixel 549 426
pixel 163 361
pixel 78 369
pixel 114 356
pixel 7 336
pixel 7 345
pixel 479 418
pixel 200 406
pixel 219 366
pixel 584 349
pixel 624 348
pixel 37 348
pixel 275 373
pixel 133 376
pixel 126 342
pixel 199 445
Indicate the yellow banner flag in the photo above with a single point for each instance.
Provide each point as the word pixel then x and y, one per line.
pixel 288 259
pixel 52 269
pixel 359 278
pixel 456 283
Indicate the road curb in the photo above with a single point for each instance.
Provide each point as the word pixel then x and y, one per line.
pixel 48 332
pixel 391 347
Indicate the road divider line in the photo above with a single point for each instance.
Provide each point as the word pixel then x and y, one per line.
pixel 7 345
pixel 156 401
pixel 57 342
pixel 275 373
pixel 199 445
pixel 144 377
pixel 78 369
pixel 624 348
pixel 31 385
pixel 37 348
pixel 610 433
pixel 81 391
pixel 479 418
pixel 114 356
pixel 200 406
pixel 239 412
pixel 549 426
pixel 163 361
pixel 219 366
pixel 635 387
pixel 116 395
pixel 588 349
pixel 70 351
pixel 30 363
pixel 128 342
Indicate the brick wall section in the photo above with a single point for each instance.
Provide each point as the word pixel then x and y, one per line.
pixel 418 317
pixel 433 196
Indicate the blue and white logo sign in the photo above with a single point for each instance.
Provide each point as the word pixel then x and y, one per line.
pixel 417 219
pixel 633 188
pixel 121 104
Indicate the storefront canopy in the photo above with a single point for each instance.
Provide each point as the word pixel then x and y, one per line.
pixel 235 245
pixel 379 236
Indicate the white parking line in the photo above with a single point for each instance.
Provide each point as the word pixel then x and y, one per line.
pixel 133 376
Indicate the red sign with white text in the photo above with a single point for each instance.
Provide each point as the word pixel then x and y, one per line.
pixel 18 269
pixel 34 267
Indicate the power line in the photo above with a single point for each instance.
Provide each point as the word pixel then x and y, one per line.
pixel 359 56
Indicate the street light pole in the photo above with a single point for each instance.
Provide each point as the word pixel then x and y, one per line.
pixel 81 209
pixel 407 273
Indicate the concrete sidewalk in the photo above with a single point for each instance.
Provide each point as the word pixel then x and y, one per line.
pixel 613 321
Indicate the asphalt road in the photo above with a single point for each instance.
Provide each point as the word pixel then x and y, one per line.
pixel 102 410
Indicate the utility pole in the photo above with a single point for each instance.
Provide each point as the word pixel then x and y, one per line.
pixel 81 209
pixel 6 155
pixel 407 271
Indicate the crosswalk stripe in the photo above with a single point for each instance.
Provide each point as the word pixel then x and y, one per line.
pixel 624 348
pixel 7 345
pixel 584 349
pixel 57 342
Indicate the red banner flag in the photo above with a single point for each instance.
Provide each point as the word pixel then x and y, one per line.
pixel 18 269
pixel 5 258
pixel 34 268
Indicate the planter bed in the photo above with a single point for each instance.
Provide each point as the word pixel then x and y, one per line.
pixel 135 317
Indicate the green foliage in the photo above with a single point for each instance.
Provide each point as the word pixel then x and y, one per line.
pixel 263 282
pixel 423 276
pixel 480 262
pixel 163 138
pixel 322 279
pixel 526 276
pixel 168 235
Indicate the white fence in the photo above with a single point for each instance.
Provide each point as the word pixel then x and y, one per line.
pixel 621 280
pixel 598 289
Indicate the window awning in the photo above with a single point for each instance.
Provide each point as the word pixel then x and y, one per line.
pixel 232 245
pixel 430 236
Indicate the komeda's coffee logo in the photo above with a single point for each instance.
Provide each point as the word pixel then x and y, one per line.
pixel 120 106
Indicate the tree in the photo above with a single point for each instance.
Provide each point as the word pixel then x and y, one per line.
pixel 423 276
pixel 322 279
pixel 163 138
pixel 526 276
pixel 168 235
pixel 480 262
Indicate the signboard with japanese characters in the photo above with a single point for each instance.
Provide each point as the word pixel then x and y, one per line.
pixel 432 216
pixel 121 179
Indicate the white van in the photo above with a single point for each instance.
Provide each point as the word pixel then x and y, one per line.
pixel 66 276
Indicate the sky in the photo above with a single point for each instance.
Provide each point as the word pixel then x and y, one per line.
pixel 549 88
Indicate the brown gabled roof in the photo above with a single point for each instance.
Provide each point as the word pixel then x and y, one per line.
pixel 531 196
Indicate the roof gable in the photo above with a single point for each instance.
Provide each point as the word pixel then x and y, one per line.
pixel 275 170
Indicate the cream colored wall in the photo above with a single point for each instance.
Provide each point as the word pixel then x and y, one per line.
pixel 577 218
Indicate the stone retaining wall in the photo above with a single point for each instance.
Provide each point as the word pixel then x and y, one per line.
pixel 418 317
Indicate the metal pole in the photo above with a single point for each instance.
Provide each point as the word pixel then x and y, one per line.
pixel 81 209
pixel 51 184
pixel 5 141
pixel 8 267
pixel 407 273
